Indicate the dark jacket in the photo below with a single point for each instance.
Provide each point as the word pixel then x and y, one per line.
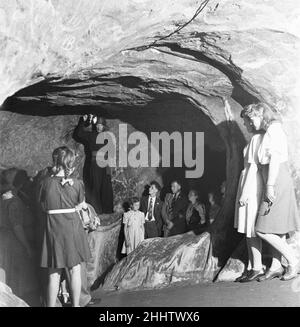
pixel 177 217
pixel 156 211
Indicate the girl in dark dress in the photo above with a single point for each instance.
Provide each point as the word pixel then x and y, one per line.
pixel 64 242
pixel 97 179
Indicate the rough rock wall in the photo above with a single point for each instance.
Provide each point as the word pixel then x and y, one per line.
pixel 8 299
pixel 27 143
pixel 81 53
pixel 233 53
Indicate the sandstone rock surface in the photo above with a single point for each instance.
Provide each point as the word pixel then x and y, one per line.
pixel 8 299
pixel 81 57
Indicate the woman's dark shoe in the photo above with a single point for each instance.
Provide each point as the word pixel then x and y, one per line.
pixel 291 272
pixel 243 276
pixel 253 275
pixel 270 274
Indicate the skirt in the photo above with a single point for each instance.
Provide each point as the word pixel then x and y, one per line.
pixel 64 242
pixel 283 216
pixel 245 216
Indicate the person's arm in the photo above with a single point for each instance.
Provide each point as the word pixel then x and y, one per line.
pixel 164 210
pixel 143 221
pixel 249 177
pixel 165 213
pixel 277 151
pixel 201 210
pixel 127 237
pixel 81 196
pixel 126 232
pixel 251 168
pixel 82 131
pixel 158 217
pixel 272 176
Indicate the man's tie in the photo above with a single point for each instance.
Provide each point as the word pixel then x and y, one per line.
pixel 150 209
pixel 172 203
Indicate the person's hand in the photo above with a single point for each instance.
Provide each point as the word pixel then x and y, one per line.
pixel 85 117
pixel 270 193
pixel 243 200
pixel 94 119
pixel 170 225
pixel 7 195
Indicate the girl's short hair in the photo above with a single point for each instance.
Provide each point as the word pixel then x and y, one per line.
pixel 133 200
pixel 261 109
pixel 63 158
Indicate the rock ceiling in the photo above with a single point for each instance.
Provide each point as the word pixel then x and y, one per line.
pixel 61 54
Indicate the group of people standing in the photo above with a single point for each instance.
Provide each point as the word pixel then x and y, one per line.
pixel 40 224
pixel 173 216
pixel 266 208
pixel 151 217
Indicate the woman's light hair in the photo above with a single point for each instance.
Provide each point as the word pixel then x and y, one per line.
pixel 63 158
pixel 262 110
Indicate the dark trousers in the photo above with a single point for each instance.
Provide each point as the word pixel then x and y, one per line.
pixel 151 229
pixel 99 192
pixel 179 226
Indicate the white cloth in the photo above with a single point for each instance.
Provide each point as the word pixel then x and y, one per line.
pixel 245 216
pixel 274 141
pixel 153 203
pixel 134 224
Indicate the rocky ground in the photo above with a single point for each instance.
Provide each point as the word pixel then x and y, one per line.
pixel 273 293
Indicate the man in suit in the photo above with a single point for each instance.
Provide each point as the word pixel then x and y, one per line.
pixel 151 206
pixel 174 211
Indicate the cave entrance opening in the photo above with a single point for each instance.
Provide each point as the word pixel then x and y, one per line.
pixel 180 116
pixel 160 116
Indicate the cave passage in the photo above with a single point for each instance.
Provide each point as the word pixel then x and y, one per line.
pixel 165 116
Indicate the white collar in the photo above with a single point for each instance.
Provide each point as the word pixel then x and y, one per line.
pixel 150 197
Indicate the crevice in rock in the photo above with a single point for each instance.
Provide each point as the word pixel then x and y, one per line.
pixel 242 92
